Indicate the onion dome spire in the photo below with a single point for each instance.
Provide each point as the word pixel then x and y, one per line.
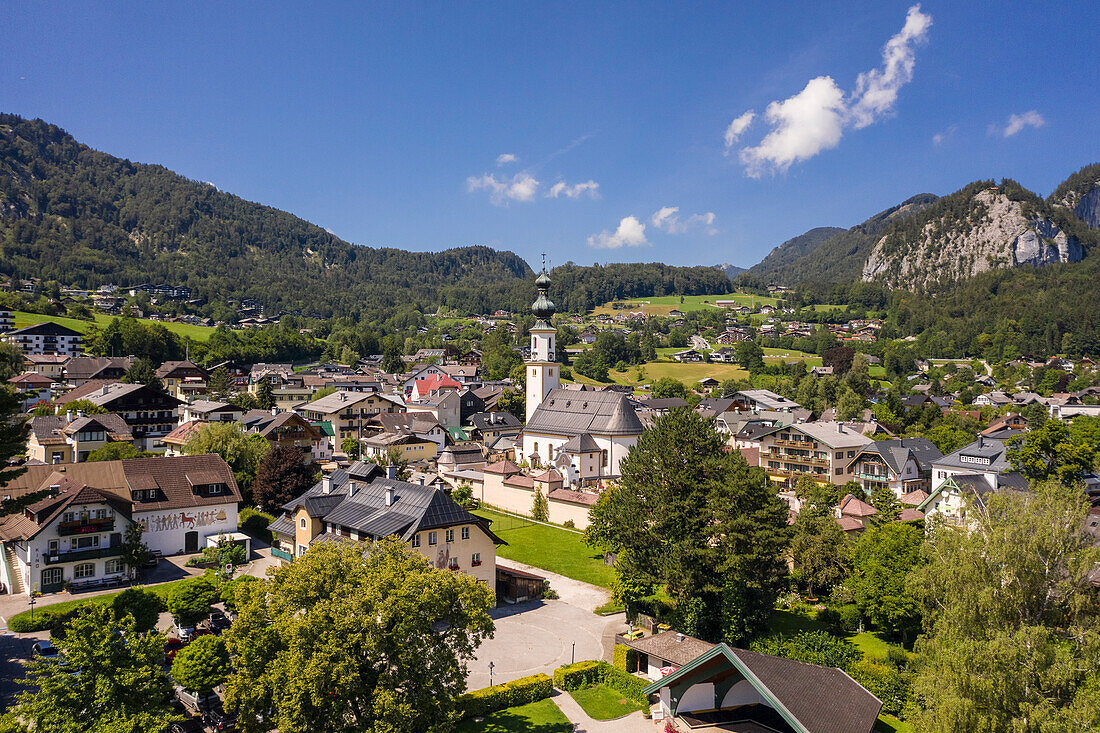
pixel 543 308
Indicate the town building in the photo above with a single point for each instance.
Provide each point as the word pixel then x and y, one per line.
pixel 349 413
pixel 69 438
pixel 74 536
pixel 46 338
pixel 903 465
pixel 80 369
pixel 762 399
pixel 183 379
pixel 48 365
pixel 824 450
pixel 150 413
pixel 360 503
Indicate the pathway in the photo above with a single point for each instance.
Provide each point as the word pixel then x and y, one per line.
pixel 633 723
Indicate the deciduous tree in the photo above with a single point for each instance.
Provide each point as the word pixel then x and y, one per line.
pixel 355 637
pixel 282 476
pixel 189 602
pixel 202 665
pixel 142 605
pixel 882 559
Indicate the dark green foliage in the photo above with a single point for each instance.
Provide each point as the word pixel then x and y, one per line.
pixel 794 249
pixel 477 703
pixel 229 591
pixel 884 681
pixel 882 558
pixel 253 522
pixel 579 675
pixel 814 647
pixel 142 605
pixel 116 452
pixel 577 289
pixel 202 665
pixel 190 601
pixel 667 387
pixel 624 658
pixel 13 433
pixel 282 476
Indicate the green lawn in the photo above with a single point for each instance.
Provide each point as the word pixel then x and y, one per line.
pixel 663 305
pixel 777 355
pixel 195 333
pixel 537 717
pixel 890 724
pixel 560 551
pixel 871 643
pixel 604 703
pixel 689 374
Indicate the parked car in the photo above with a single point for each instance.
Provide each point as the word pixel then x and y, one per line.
pixel 46 650
pixel 152 561
pixel 185 633
pixel 171 648
pixel 219 622
pixel 219 720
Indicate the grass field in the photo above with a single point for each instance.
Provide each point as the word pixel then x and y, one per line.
pixel 663 305
pixel 774 355
pixel 689 374
pixel 195 333
pixel 603 703
pixel 550 548
pixel 537 717
pixel 868 642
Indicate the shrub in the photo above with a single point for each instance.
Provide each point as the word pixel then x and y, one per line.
pixel 897 657
pixel 549 593
pixel 815 647
pixel 569 523
pixel 884 682
pixel 517 692
pixel 577 676
pixel 253 522
pixel 629 685
pixel 624 658
pixel 843 618
pixel 829 617
pixel 43 620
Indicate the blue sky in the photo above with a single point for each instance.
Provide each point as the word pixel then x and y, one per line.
pixel 385 123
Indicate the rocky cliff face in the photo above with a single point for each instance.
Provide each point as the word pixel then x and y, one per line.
pixel 971 234
pixel 1088 208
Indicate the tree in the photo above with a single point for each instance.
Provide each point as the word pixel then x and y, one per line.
pixel 135 553
pixel 540 507
pixel 11 361
pixel 142 371
pixel 142 606
pixel 688 515
pixel 202 665
pixel 882 558
pixel 116 452
pixel 120 688
pixel 750 355
pixel 518 375
pixel 351 447
pixel 678 338
pixel 394 457
pixel 85 406
pixel 463 495
pixel 378 637
pixel 189 602
pixel 949 438
pixel 850 405
pixel 1012 639
pixel 13 433
pixel 513 402
pixel 1050 452
pixel 229 591
pixel 820 551
pixel 667 387
pixel 241 451
pixel 812 647
pixel 264 397
pixel 219 384
pixel 886 503
pixel 282 476
pixel 323 392
pixel 817 497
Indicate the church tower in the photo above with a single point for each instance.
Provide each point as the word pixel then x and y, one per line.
pixel 543 373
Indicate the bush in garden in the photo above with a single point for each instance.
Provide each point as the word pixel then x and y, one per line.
pixel 510 694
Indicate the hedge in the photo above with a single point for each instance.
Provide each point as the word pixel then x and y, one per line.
pixel 254 523
pixel 498 697
pixel 577 676
pixel 624 658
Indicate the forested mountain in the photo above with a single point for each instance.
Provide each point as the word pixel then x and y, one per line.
pixel 793 249
pixel 578 289
pixel 841 257
pixel 84 218
pixel 1081 194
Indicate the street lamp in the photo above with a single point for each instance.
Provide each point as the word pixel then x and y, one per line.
pixel 490 674
pixel 32 601
pixel 573 654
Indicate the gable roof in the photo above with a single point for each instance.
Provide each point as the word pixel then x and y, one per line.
pixel 566 412
pixel 809 697
pixel 896 453
pixel 90 367
pixel 103 393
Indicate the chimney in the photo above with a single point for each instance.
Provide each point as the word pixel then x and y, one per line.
pixel 421 480
pixel 389 496
pixel 80 413
pixel 391 472
pixel 352 488
pixel 326 484
pixel 679 637
pixel 104 391
pixel 840 427
pixel 274 411
pixel 68 416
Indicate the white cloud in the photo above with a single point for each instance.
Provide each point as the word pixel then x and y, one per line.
pixel 815 119
pixel 737 127
pixel 668 219
pixel 506 158
pixel 589 188
pixel 1017 123
pixel 941 137
pixel 630 233
pixel 521 187
pixel 877 89
pixel 803 126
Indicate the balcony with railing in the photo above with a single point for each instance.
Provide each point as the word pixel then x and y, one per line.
pixel 92 553
pixel 874 476
pixel 85 526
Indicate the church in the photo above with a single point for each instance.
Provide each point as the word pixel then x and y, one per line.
pixel 584 435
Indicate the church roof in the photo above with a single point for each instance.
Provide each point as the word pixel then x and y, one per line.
pixel 567 412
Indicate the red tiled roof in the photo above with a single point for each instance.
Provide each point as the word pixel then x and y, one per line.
pixel 914 498
pixel 910 515
pixel 853 507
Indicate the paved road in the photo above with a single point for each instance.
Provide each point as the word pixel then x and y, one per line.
pixel 699 343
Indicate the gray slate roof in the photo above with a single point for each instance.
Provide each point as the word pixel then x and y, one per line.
pixel 897 452
pixel 983 448
pixel 567 412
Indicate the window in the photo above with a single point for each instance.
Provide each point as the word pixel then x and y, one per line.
pixel 453 563
pixel 84 570
pixel 53 547
pixel 450 535
pixel 465 533
pixel 839 454
pixel 83 543
pixel 302 523
pixel 838 471
pixel 851 454
pixel 68 517
pixel 416 540
pixel 215 488
pixel 112 567
pixel 302 550
pixel 475 559
pixel 431 538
